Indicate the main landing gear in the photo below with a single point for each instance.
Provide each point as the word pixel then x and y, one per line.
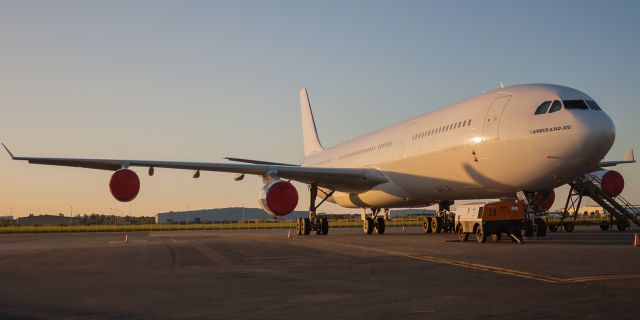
pixel 314 222
pixel 374 221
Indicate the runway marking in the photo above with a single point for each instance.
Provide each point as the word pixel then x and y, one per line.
pixel 494 269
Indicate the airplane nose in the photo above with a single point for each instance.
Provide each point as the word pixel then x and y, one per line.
pixel 596 133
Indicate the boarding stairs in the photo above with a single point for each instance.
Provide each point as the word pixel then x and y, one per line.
pixel 588 186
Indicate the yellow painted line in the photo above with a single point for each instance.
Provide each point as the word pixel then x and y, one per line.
pixel 603 278
pixel 494 269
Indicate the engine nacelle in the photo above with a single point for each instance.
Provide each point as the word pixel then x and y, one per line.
pixel 278 198
pixel 611 181
pixel 124 185
pixel 545 199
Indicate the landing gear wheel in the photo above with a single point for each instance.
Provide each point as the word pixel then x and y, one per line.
pixel 462 236
pixel 528 228
pixel 480 235
pixel 380 225
pixel 552 227
pixel 324 226
pixel 436 225
pixel 604 225
pixel 367 226
pixel 306 226
pixel 426 225
pixel 622 225
pixel 496 237
pixel 539 227
pixel 299 226
pixel 568 226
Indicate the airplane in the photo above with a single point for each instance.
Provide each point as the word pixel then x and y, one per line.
pixel 523 139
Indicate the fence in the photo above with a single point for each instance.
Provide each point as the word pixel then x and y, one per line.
pixel 410 222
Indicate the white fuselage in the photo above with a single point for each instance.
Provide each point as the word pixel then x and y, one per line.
pixel 488 146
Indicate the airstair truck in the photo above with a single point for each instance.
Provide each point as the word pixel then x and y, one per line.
pixel 490 219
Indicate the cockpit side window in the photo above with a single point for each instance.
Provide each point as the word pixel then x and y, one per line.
pixel 575 104
pixel 542 109
pixel 555 106
pixel 593 105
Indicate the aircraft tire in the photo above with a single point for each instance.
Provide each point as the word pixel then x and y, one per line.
pixel 380 226
pixel 367 226
pixel 604 225
pixel 306 226
pixel 324 226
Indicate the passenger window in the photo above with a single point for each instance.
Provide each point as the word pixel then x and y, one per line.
pixel 575 104
pixel 543 108
pixel 480 213
pixel 555 106
pixel 593 105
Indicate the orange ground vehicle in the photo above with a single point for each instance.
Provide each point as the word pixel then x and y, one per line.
pixel 490 219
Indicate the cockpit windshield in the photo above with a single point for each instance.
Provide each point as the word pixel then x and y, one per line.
pixel 575 104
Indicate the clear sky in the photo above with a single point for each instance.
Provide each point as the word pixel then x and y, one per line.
pixel 201 80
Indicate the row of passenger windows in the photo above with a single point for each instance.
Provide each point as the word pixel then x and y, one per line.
pixel 430 132
pixel 357 152
pixel 553 106
pixel 366 150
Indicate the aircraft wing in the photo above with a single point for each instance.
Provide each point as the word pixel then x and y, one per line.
pixel 340 179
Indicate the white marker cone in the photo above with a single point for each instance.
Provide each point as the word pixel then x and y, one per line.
pixel 289 235
pixel 636 240
pixel 126 238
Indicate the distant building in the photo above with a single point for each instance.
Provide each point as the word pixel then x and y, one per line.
pixel 6 219
pixel 45 220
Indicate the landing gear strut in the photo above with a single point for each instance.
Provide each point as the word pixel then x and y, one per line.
pixel 373 221
pixel 314 222
pixel 534 225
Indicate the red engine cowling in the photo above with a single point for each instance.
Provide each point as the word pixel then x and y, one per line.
pixel 278 198
pixel 545 198
pixel 124 185
pixel 611 181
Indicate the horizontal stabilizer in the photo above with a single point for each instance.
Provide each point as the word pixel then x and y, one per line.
pixel 628 158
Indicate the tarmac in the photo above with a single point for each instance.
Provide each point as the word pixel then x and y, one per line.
pixel 264 274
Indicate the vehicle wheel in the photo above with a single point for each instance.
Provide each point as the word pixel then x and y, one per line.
pixel 306 226
pixel 367 226
pixel 380 225
pixel 568 226
pixel 604 225
pixel 496 237
pixel 436 225
pixel 324 226
pixel 426 225
pixel 299 226
pixel 622 225
pixel 552 227
pixel 480 235
pixel 540 227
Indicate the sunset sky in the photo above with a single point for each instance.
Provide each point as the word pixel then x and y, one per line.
pixel 203 80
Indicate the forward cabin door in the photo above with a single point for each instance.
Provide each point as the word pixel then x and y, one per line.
pixel 491 127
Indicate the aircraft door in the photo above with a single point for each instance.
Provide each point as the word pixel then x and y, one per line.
pixel 491 127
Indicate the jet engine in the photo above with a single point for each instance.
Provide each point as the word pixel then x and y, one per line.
pixel 278 198
pixel 611 181
pixel 545 198
pixel 124 185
